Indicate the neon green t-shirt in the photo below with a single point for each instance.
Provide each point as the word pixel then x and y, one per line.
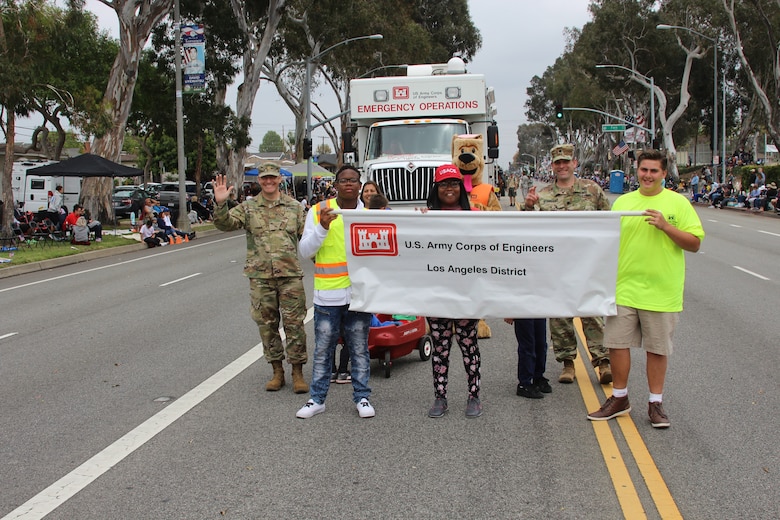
pixel 651 267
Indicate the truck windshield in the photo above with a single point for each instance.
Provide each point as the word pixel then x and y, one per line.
pixel 423 138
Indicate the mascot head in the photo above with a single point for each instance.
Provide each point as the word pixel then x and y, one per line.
pixel 468 155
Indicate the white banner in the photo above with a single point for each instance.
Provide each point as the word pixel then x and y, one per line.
pixel 483 264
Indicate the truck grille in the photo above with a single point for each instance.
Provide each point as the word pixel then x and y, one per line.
pixel 402 185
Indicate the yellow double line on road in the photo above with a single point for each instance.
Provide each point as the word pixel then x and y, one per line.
pixel 621 480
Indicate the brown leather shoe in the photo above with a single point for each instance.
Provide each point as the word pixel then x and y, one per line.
pixel 658 417
pixel 612 407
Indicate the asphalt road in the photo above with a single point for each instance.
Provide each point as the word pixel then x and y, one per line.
pixel 95 346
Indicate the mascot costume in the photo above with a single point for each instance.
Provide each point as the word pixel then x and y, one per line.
pixel 468 154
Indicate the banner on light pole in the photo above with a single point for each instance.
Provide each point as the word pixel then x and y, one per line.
pixel 194 59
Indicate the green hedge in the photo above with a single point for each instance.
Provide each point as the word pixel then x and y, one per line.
pixel 772 173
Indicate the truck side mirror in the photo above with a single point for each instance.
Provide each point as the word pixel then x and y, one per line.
pixel 492 141
pixel 346 142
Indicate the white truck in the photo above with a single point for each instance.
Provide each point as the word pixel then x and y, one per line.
pixel 404 126
pixel 34 190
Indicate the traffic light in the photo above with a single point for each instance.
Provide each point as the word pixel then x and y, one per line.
pixel 306 148
pixel 559 111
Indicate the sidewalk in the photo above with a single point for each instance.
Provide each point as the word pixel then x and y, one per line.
pixel 43 265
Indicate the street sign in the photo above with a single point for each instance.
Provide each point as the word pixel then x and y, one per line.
pixel 613 128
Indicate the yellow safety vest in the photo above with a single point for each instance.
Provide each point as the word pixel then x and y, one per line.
pixel 330 263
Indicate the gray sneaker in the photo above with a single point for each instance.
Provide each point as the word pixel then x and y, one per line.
pixel 439 408
pixel 473 407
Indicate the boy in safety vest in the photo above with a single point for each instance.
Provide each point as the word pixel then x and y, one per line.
pixel 323 238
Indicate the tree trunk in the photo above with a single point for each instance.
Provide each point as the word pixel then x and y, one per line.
pixel 8 166
pixel 258 46
pixel 136 21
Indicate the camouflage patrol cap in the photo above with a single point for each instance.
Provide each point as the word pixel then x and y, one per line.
pixel 562 152
pixel 268 170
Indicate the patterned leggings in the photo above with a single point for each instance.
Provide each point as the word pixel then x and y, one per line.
pixel 465 333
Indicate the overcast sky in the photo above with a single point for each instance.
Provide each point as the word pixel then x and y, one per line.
pixel 520 39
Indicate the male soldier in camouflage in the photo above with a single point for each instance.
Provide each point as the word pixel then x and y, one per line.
pixel 568 193
pixel 274 223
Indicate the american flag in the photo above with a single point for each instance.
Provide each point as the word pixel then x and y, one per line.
pixel 630 121
pixel 620 148
pixel 640 134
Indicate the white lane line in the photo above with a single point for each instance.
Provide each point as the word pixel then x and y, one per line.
pixel 712 220
pixel 179 280
pixel 118 264
pixel 769 233
pixel 735 225
pixel 8 335
pixel 750 272
pixel 58 493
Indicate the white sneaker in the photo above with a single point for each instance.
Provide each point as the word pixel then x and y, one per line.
pixel 365 409
pixel 310 409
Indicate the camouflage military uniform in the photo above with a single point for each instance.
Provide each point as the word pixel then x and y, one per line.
pixel 273 229
pixel 585 195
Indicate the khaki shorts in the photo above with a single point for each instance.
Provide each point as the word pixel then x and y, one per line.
pixel 649 330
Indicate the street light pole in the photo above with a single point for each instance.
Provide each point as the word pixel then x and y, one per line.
pixel 309 63
pixel 665 27
pixel 652 93
pixel 532 157
pixel 182 221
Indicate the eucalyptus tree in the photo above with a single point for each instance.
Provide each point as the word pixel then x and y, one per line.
pixel 72 78
pixel 638 46
pixel 754 26
pixel 25 29
pixel 414 31
pixel 136 21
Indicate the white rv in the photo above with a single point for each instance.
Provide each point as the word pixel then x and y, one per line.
pixel 404 125
pixel 34 190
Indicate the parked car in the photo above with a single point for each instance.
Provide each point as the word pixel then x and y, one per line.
pixel 126 201
pixel 169 195
pixel 152 187
pixel 208 189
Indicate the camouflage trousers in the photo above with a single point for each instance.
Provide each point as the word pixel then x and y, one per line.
pixel 275 300
pixel 564 338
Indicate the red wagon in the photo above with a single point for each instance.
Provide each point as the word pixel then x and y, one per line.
pixel 389 342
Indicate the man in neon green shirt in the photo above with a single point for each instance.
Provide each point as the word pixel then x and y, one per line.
pixel 650 283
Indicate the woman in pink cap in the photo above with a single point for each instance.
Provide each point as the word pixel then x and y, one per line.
pixel 449 194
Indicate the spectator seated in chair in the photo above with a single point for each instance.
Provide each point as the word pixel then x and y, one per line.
pixel 93 226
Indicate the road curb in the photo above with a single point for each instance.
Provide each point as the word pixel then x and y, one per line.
pixel 86 256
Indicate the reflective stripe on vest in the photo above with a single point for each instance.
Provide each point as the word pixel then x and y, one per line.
pixel 330 263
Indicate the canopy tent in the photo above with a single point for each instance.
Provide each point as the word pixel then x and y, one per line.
pixel 87 165
pixel 299 170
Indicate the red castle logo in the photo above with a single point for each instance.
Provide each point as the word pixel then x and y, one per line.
pixel 373 240
pixel 400 92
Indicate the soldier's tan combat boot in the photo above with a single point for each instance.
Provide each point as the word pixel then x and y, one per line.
pixel 567 376
pixel 299 384
pixel 277 381
pixel 605 372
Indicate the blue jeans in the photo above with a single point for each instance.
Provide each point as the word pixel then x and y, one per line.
pixel 329 324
